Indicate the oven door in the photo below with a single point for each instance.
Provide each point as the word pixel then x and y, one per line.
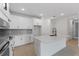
pixel 5 50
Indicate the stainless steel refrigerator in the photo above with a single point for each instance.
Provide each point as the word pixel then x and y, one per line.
pixel 75 29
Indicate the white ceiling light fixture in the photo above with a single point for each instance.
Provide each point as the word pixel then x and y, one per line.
pixel 62 14
pixel 22 9
pixel 73 16
pixel 41 15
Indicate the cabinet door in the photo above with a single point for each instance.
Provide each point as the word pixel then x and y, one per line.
pixel 3 16
pixel 17 41
pixel 1 22
pixel 21 40
pixel 25 39
pixel 37 30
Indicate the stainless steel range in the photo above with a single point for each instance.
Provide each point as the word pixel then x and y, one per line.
pixel 4 38
pixel 4 48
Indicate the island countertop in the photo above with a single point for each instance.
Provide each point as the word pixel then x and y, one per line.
pixel 49 39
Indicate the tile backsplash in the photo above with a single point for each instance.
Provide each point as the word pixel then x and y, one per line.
pixel 20 31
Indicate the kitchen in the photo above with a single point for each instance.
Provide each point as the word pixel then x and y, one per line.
pixel 39 29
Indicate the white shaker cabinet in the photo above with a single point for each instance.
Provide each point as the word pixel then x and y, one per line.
pixel 22 39
pixel 19 22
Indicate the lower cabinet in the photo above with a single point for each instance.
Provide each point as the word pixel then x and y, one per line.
pixel 43 48
pixel 22 39
pixel 18 41
pixel 11 47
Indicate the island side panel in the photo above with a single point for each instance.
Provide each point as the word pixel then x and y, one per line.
pixel 37 47
pixel 49 49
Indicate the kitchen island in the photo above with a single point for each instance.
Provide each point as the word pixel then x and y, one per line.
pixel 48 45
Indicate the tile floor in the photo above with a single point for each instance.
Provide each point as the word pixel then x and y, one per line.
pixel 28 49
pixel 24 50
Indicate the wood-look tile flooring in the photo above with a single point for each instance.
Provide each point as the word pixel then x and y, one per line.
pixel 24 50
pixel 71 49
pixel 28 49
pixel 72 43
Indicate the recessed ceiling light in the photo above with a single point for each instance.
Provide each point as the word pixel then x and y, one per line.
pixel 22 9
pixel 62 14
pixel 53 17
pixel 41 14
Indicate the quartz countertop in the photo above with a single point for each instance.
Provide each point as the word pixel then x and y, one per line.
pixel 49 39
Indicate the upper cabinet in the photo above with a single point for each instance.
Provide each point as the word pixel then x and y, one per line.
pixel 18 22
pixel 3 16
pixel 4 11
pixel 4 6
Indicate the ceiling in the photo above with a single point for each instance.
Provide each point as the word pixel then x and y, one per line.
pixel 46 9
